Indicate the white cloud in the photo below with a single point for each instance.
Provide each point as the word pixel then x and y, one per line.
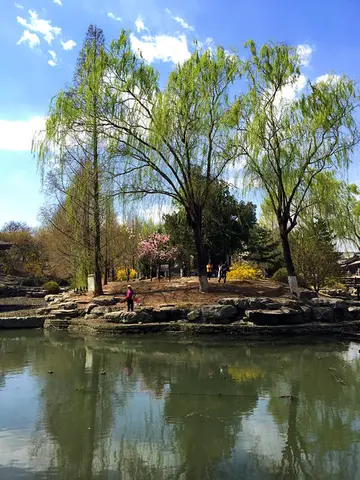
pixel 41 26
pixel 114 17
pixel 304 52
pixel 179 20
pixel 140 25
pixel 17 5
pixel 328 78
pixel 161 47
pixel 69 45
pixel 30 38
pixel 58 2
pixel 52 61
pixel 18 135
pixel 288 93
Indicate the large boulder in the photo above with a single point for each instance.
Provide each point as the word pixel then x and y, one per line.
pixel 89 307
pixel 218 314
pixel 250 303
pixel 130 317
pixel 194 315
pixel 119 316
pixel 68 306
pixel 339 309
pixel 322 314
pixel 104 301
pixel 168 314
pixel 283 316
pixel 100 311
pixel 354 313
pixel 66 313
pixel 306 295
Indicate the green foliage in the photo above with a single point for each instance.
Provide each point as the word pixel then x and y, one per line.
pixel 315 255
pixel 176 142
pixel 281 275
pixel 226 225
pixel 52 287
pixel 33 281
pixel 289 140
pixel 264 249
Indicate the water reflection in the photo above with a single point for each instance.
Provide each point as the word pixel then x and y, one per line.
pixel 161 409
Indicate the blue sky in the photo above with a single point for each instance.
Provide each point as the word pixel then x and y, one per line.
pixel 40 41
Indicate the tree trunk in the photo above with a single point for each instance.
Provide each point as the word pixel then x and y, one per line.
pixel 97 224
pixel 293 284
pixel 201 257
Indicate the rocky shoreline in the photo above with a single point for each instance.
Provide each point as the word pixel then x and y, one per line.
pixel 243 316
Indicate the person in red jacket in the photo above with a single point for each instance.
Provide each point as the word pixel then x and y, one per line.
pixel 130 298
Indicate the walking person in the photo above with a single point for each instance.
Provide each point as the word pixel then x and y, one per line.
pixel 209 268
pixel 130 298
pixel 224 270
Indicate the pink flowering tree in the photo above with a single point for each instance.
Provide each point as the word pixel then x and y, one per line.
pixel 157 250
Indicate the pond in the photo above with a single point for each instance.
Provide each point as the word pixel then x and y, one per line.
pixel 167 408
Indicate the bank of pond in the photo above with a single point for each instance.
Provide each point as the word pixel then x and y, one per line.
pixel 242 316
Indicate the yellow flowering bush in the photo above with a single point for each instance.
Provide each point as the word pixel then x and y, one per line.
pixel 121 274
pixel 243 374
pixel 244 271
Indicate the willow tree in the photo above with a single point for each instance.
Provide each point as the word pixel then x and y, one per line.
pixel 73 138
pixel 336 201
pixel 176 141
pixel 291 139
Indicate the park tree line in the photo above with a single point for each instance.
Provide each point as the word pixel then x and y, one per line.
pixel 116 137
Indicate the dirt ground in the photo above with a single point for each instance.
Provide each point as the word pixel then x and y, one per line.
pixel 184 292
pixel 180 292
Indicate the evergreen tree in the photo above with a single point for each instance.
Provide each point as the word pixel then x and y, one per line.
pixel 315 254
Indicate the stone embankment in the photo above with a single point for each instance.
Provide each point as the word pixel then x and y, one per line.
pixel 230 315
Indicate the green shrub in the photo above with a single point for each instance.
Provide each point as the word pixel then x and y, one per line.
pixel 33 281
pixel 281 276
pixel 51 287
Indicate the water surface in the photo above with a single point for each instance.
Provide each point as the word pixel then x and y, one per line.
pixel 157 408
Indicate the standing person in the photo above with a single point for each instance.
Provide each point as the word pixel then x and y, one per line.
pixel 209 268
pixel 130 298
pixel 220 272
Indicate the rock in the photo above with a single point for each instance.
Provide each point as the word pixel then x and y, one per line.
pixel 68 306
pixel 120 316
pixel 104 301
pixel 354 313
pixel 54 298
pixel 129 317
pixel 329 302
pixel 305 295
pixel 168 314
pixel 292 304
pixel 22 322
pixel 194 315
pixel 89 307
pixel 40 294
pixel 322 314
pixel 66 313
pixel 223 314
pixel 50 298
pixel 307 313
pixel 100 311
pixel 249 303
pixel 44 311
pixel 114 317
pixel 283 316
pixel 339 308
